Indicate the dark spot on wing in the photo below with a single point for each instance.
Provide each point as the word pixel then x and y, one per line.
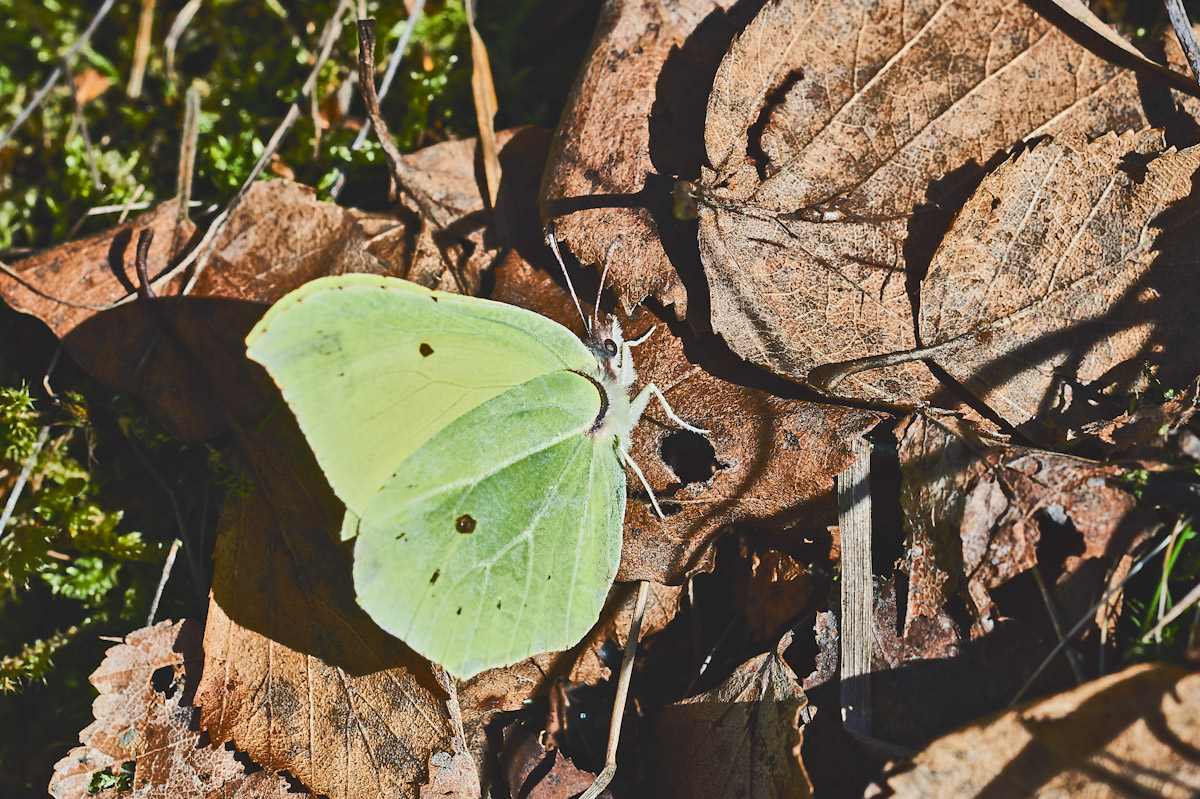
pixel 436 574
pixel 433 297
pixel 458 612
pixel 547 577
pixel 425 350
pixel 402 536
pixel 465 523
pixel 498 604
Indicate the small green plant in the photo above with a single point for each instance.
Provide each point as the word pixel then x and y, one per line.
pixel 55 532
pixel 104 779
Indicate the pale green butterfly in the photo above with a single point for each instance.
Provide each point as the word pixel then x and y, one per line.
pixel 478 449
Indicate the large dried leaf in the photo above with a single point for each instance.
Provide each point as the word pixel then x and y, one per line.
pixel 633 122
pixel 976 510
pixel 1135 733
pixel 137 722
pixel 843 135
pixel 767 460
pixel 740 739
pixel 1070 267
pixel 296 674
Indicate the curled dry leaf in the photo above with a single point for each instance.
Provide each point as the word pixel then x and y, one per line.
pixel 1135 733
pixel 533 772
pixel 775 590
pixel 1067 270
pixel 1147 434
pixel 977 509
pixel 767 460
pixel 740 739
pixel 295 673
pixel 843 136
pixel 139 723
pixel 633 123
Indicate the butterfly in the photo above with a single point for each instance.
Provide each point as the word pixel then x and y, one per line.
pixel 479 449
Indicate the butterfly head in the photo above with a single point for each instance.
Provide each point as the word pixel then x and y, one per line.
pixel 605 341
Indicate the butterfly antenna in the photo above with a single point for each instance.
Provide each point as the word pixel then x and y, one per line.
pixel 603 275
pixel 553 242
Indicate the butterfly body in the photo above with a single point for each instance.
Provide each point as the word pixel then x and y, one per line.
pixel 479 450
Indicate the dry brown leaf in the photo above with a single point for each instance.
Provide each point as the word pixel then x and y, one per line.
pixel 1067 270
pixel 135 722
pixel 296 674
pixel 90 84
pixel 774 591
pixel 1079 12
pixel 976 511
pixel 1135 733
pixel 766 459
pixel 843 136
pixel 635 114
pixel 1147 434
pixel 741 739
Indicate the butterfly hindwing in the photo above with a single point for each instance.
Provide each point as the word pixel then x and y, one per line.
pixel 501 535
pixel 373 367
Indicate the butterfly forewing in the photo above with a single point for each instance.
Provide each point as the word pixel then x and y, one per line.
pixel 373 367
pixel 500 536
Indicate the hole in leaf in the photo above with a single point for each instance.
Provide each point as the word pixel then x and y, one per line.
pixel 690 457
pixel 163 680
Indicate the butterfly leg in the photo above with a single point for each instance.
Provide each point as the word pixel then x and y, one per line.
pixel 643 399
pixel 631 463
pixel 628 375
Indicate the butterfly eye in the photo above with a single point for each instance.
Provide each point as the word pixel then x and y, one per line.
pixel 610 346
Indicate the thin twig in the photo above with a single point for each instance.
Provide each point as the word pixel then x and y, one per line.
pixel 400 172
pixel 1174 613
pixel 1168 558
pixel 182 20
pixel 389 75
pixel 712 653
pixel 1183 31
pixel 1079 625
pixel 188 547
pixel 141 188
pixel 88 151
pixel 141 50
pixel 23 478
pixel 145 238
pixel 162 581
pixel 57 74
pixel 74 91
pixel 187 164
pixel 1052 612
pixel 203 250
pixel 614 730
